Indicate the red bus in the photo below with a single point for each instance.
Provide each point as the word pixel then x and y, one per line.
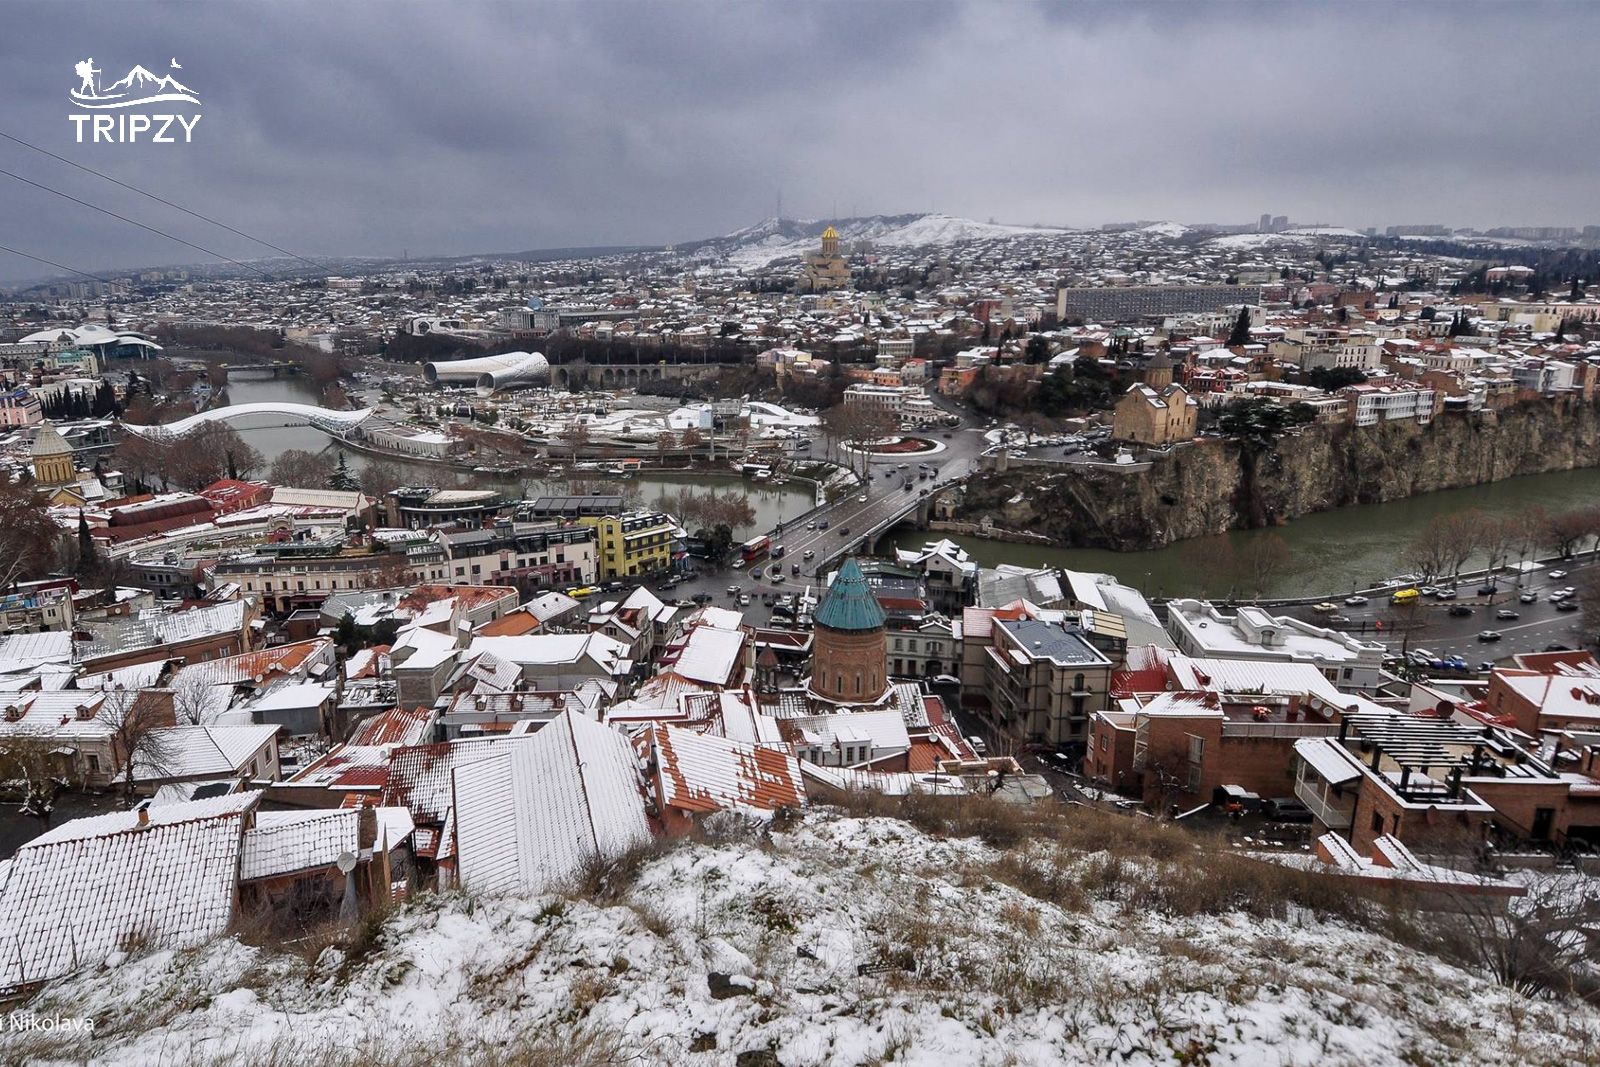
pixel 755 548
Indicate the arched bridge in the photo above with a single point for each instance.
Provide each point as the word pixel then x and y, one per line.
pixel 258 416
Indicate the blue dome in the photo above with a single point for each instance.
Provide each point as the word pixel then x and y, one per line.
pixel 850 603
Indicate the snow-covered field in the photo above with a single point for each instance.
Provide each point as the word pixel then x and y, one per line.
pixel 838 941
pixel 1260 240
pixel 752 248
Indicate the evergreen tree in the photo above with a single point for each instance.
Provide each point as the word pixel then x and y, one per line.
pixel 88 556
pixel 233 468
pixel 1241 329
pixel 343 477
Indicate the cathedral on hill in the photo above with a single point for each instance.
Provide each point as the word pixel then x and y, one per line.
pixel 825 269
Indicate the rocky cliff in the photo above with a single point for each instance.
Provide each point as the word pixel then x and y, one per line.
pixel 1211 487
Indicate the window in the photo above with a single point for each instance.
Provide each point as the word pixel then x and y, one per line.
pixel 1078 684
pixel 1102 742
pixel 1377 823
pixel 94 764
pixel 1197 748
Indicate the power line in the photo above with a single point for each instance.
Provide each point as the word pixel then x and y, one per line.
pixel 169 203
pixel 132 222
pixel 61 266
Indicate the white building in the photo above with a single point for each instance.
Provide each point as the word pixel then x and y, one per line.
pixel 1371 404
pixel 1201 631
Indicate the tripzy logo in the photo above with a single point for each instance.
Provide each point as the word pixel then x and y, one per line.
pixel 138 89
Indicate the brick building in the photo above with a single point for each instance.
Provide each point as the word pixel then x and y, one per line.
pixel 851 645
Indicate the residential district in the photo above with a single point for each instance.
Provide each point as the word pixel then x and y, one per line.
pixel 449 645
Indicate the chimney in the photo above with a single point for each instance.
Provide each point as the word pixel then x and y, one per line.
pixel 144 816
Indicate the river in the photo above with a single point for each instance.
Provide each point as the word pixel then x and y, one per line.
pixel 1332 551
pixel 772 504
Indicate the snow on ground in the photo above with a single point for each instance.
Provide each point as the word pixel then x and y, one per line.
pixel 933 230
pixel 1165 229
pixel 997 976
pixel 1259 240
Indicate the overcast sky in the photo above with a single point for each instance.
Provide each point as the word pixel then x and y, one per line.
pixel 371 129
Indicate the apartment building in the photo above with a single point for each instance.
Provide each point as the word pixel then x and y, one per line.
pixel 1044 679
pixel 1371 404
pixel 640 542
pixel 298 574
pixel 1129 303
pixel 532 553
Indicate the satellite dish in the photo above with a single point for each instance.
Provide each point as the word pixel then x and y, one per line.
pixel 346 862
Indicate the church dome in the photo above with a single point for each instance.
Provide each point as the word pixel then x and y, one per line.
pixel 830 234
pixel 849 603
pixel 47 441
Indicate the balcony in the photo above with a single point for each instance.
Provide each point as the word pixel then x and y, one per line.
pixel 1328 813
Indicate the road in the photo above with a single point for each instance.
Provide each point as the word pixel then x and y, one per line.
pixel 850 517
pixel 1537 626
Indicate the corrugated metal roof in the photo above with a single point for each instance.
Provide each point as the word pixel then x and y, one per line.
pixel 532 815
pixel 76 894
pixel 699 772
pixel 849 603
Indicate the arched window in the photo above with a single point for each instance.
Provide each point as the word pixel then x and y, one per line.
pixel 1077 683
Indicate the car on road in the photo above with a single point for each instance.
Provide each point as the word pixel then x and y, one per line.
pixel 794 569
pixel 1489 635
pixel 738 564
pixel 862 499
pixel 1570 590
pixel 946 680
pixel 811 525
pixel 822 524
pixel 1557 575
pixel 1339 620
pixel 1528 597
pixel 1567 605
pixel 1486 590
pixel 777 575
pixel 701 598
pixel 733 590
pixel 1486 665
pixel 1326 607
pixel 1355 601
pixel 1286 809
pixel 807 554
pixel 844 531
pixel 1507 613
pixel 1460 609
pixel 744 600
pixel 1447 592
pixel 1558 596
pixel 977 744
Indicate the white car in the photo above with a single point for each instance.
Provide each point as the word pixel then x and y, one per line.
pixel 977 744
pixel 862 499
pixel 1355 601
pixel 1554 575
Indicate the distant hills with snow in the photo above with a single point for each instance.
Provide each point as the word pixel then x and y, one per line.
pixel 773 239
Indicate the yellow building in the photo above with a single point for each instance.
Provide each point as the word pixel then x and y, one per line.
pixel 825 269
pixel 633 544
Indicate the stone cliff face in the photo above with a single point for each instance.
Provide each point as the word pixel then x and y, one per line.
pixel 1204 489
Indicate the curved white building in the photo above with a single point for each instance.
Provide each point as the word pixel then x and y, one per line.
pixel 509 370
pixel 271 413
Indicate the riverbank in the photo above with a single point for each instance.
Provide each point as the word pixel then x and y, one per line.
pixel 1218 485
pixel 1339 550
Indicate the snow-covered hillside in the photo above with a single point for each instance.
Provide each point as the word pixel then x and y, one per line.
pixel 835 941
pixel 772 238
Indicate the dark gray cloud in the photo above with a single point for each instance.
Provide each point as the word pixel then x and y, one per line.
pixel 455 128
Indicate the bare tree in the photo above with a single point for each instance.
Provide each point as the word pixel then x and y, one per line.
pixel 295 467
pixel 380 476
pixel 191 701
pixel 1564 531
pixel 576 435
pixel 31 761
pixel 1208 560
pixel 1263 558
pixel 139 745
pixel 29 538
